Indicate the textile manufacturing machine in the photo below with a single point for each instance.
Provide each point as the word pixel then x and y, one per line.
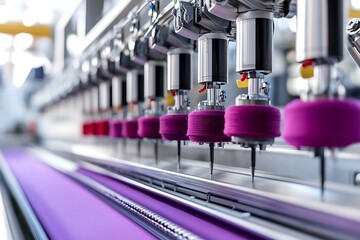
pixel 131 148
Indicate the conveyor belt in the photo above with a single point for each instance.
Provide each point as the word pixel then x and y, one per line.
pixel 65 208
pixel 207 228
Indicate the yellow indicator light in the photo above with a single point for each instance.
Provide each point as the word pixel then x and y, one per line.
pixel 169 99
pixel 307 71
pixel 242 83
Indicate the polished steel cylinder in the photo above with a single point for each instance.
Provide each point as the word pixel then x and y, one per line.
pixel 118 92
pixel 135 86
pixel 213 58
pixel 154 79
pixel 86 101
pixel 179 69
pixel 105 102
pixel 254 33
pixel 319 30
pixel 94 99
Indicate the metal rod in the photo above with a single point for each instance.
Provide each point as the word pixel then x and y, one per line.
pixel 139 148
pixel 124 145
pixel 253 162
pixel 211 145
pixel 320 153
pixel 178 155
pixel 156 148
pixel 322 170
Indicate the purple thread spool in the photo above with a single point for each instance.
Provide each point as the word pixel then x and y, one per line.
pixel 115 128
pixel 207 126
pixel 322 123
pixel 173 127
pixel 149 127
pixel 129 129
pixel 252 121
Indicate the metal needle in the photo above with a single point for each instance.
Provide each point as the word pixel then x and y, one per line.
pixel 139 148
pixel 320 152
pixel 156 151
pixel 253 162
pixel 322 170
pixel 178 154
pixel 211 145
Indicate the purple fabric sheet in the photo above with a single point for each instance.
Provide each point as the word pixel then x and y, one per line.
pixel 202 227
pixel 65 208
pixel 252 121
pixel 322 123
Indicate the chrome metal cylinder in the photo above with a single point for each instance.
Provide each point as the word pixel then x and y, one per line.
pixel 94 99
pixel 254 33
pixel 212 96
pixel 118 92
pixel 104 96
pixel 254 86
pixel 213 58
pixel 154 79
pixel 86 102
pixel 319 30
pixel 179 69
pixel 135 86
pixel 322 86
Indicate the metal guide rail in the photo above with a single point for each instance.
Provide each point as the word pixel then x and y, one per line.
pixel 288 207
pixel 157 224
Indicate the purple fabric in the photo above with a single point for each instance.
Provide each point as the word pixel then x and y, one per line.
pixel 322 123
pixel 207 126
pixel 149 127
pixel 174 127
pixel 252 121
pixel 129 129
pixel 65 208
pixel 115 128
pixel 188 220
